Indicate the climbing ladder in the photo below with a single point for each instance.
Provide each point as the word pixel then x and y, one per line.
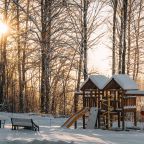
pixel 105 116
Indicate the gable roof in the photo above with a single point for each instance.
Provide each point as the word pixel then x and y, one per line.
pixel 98 81
pixel 123 81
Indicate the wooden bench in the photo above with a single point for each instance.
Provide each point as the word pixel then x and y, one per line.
pixel 23 122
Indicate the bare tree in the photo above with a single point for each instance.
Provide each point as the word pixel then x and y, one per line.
pixel 115 3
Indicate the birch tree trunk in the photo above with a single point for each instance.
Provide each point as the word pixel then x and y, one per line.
pixel 120 44
pixel 84 37
pixel 129 36
pixel 125 5
pixel 46 52
pixel 137 51
pixel 115 2
pixel 21 100
pixel 24 85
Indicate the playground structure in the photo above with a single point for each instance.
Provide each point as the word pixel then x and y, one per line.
pixel 114 98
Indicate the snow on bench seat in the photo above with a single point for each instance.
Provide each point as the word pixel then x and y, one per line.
pixel 23 122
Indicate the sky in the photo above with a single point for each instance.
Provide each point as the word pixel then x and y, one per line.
pixel 99 56
pixel 99 59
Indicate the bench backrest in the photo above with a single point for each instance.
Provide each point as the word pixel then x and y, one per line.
pixel 22 121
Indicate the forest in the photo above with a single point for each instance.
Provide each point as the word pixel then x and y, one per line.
pixel 44 53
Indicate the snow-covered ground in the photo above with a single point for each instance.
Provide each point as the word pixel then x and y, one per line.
pixel 51 133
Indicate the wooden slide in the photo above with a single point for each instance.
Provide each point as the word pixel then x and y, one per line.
pixel 75 117
pixel 92 118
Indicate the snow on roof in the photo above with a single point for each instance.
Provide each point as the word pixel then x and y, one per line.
pixel 98 80
pixel 124 81
pixel 135 92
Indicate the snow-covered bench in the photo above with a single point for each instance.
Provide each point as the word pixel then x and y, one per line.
pixel 23 122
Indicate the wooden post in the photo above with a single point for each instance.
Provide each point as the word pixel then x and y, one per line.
pixel 108 113
pixel 119 106
pixel 83 107
pixel 99 107
pixel 123 112
pixel 75 109
pixel 119 119
pixel 135 114
pixel 135 119
pixel 90 99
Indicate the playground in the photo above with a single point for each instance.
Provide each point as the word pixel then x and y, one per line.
pixel 107 103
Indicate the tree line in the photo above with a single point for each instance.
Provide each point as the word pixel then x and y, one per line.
pixel 44 55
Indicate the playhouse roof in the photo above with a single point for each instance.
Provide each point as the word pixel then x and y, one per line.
pixel 94 81
pixel 121 81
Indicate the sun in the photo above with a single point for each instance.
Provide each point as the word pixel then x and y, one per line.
pixel 3 28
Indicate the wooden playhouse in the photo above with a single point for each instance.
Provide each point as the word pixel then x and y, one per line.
pixel 115 98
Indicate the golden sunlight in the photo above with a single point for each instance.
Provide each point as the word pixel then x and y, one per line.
pixel 3 28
